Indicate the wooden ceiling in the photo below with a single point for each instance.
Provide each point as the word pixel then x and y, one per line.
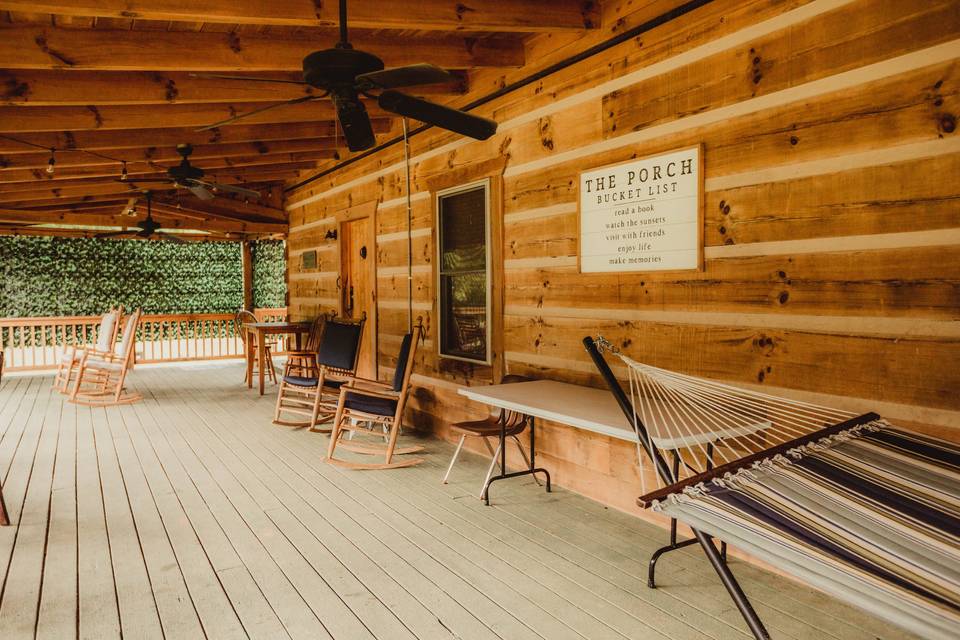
pixel 108 81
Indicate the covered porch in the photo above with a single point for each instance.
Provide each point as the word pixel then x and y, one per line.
pixel 190 515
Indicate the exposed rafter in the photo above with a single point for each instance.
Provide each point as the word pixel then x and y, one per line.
pixel 19 119
pixel 443 15
pixel 81 88
pixel 10 177
pixel 149 138
pixel 137 159
pixel 33 47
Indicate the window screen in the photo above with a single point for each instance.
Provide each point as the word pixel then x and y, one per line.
pixel 464 282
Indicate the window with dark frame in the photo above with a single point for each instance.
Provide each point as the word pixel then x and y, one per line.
pixel 464 279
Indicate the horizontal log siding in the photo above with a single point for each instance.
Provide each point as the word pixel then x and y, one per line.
pixel 832 225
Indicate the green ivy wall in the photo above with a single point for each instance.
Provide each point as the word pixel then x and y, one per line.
pixel 269 274
pixel 76 276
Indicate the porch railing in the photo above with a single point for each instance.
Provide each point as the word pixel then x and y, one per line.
pixel 33 343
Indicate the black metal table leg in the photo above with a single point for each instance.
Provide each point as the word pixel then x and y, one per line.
pixel 533 455
pixel 503 460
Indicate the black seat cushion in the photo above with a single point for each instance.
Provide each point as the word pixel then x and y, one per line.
pixel 339 345
pixel 369 404
pixel 300 381
pixel 402 362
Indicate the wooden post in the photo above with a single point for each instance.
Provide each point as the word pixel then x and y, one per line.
pixel 246 252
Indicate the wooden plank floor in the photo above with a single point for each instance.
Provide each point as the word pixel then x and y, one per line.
pixel 190 515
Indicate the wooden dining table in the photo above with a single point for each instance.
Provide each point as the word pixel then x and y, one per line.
pixel 256 335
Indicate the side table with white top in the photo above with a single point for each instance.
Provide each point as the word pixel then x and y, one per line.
pixel 597 411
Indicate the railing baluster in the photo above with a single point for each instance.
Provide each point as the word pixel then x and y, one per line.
pixel 33 343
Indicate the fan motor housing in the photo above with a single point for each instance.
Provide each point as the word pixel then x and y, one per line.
pixel 185 172
pixel 330 67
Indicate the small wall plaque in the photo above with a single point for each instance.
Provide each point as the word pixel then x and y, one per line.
pixel 308 259
pixel 643 215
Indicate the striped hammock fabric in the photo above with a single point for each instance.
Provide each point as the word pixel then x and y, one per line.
pixel 871 516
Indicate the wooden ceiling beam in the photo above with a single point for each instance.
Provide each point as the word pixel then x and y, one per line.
pixel 51 88
pixel 209 222
pixel 45 47
pixel 169 220
pixel 140 182
pixel 83 203
pixel 27 230
pixel 223 208
pixel 226 208
pixel 112 171
pixel 19 119
pixel 444 15
pixel 82 188
pixel 138 158
pixel 256 134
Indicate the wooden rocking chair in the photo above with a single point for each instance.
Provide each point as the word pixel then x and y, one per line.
pixel 71 355
pixel 379 403
pixel 100 377
pixel 312 379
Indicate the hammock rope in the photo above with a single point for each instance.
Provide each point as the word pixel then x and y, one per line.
pixel 709 423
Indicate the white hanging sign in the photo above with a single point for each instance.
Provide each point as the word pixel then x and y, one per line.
pixel 643 215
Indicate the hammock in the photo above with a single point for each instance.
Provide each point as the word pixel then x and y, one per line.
pixel 848 504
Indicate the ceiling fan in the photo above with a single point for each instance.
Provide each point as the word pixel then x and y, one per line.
pixel 344 74
pixel 189 177
pixel 148 227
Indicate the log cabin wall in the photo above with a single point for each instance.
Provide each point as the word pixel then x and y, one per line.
pixel 832 266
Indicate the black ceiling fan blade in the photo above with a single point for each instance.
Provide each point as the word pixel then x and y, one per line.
pixel 219 76
pixel 436 114
pixel 169 237
pixel 354 121
pixel 260 110
pixel 200 191
pixel 409 76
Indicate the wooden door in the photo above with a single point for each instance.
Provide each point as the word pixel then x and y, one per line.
pixel 358 279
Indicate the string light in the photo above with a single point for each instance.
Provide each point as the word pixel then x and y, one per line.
pixel 52 161
pixel 123 172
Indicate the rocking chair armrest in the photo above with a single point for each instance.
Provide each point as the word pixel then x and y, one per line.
pixel 391 395
pixel 103 356
pixel 368 382
pixel 100 354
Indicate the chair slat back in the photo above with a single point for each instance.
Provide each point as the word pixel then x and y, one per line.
pixel 243 317
pixel 312 342
pixel 107 332
pixel 128 339
pixel 408 351
pixel 339 348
